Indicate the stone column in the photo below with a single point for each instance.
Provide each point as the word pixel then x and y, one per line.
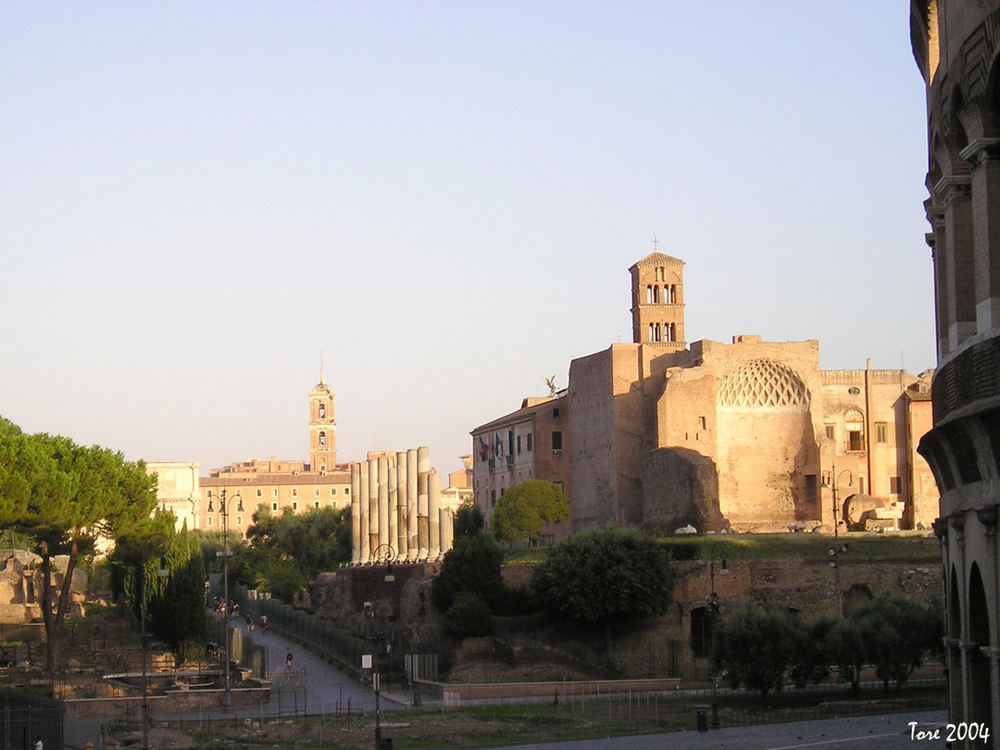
pixel 363 520
pixel 355 514
pixel 402 537
pixel 955 195
pixel 434 515
pixel 423 532
pixel 393 503
pixel 383 504
pixel 372 508
pixel 983 154
pixel 412 530
pixel 937 241
pixel 447 530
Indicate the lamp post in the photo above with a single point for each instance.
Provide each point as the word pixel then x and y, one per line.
pixel 712 611
pixel 835 552
pixel 837 549
pixel 383 553
pixel 225 554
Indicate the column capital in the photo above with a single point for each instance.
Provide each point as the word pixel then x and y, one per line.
pixel 981 150
pixel 953 186
pixel 988 518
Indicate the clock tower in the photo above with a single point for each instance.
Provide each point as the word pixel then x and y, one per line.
pixel 322 428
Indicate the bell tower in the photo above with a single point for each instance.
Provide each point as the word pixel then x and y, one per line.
pixel 322 428
pixel 658 301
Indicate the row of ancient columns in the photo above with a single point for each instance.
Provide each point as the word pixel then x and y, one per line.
pixel 396 512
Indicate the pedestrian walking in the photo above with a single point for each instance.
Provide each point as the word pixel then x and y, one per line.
pixel 288 659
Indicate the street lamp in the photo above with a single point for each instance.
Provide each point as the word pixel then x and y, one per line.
pixel 225 554
pixel 835 552
pixel 386 554
pixel 833 484
pixel 712 612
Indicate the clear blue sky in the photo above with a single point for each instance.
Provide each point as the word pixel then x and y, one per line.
pixel 198 198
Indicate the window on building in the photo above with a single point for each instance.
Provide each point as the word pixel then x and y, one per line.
pixel 493 498
pixel 260 493
pixel 295 491
pixel 274 492
pixel 322 411
pixel 208 521
pixel 239 520
pixel 895 486
pixel 333 491
pixel 828 430
pixel 315 503
pixel 854 423
pixel 703 423
pixel 861 485
pixel 518 443
pixel 528 438
pixel 510 442
pixel 557 440
pixel 555 413
pixel 322 438
pixel 881 432
pixel 295 506
pixel 274 506
pixel 209 495
pixel 347 490
pixel 315 491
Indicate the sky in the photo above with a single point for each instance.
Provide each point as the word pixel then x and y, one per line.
pixel 202 202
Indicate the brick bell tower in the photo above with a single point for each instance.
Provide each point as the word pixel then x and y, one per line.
pixel 658 301
pixel 322 428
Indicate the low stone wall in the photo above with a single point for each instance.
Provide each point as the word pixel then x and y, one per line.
pixel 181 701
pixel 449 692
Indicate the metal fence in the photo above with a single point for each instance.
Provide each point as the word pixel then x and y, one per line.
pixel 25 718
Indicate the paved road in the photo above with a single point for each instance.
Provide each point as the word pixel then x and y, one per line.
pixel 889 732
pixel 311 686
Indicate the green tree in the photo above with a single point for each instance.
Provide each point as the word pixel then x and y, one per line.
pixel 845 645
pixel 468 520
pixel 468 616
pixel 472 565
pixel 897 632
pixel 604 576
pixel 525 509
pixel 284 552
pixel 66 496
pixel 756 645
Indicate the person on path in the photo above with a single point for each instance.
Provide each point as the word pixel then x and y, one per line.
pixel 288 659
pixel 38 744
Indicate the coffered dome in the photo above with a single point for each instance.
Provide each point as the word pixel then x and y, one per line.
pixel 763 383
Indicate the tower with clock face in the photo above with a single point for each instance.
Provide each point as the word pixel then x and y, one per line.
pixel 322 428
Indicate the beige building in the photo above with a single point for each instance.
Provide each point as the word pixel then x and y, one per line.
pixel 751 435
pixel 957 48
pixel 178 490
